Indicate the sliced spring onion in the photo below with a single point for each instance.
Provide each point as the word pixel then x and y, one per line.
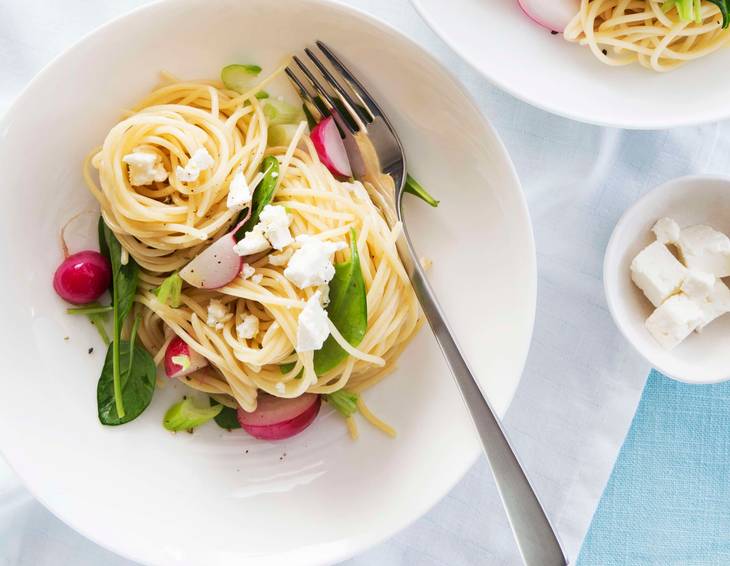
pixel 281 112
pixel 281 135
pixel 239 77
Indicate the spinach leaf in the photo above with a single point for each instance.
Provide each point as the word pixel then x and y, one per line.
pixel 226 418
pixel 124 287
pixel 262 195
pixel 136 384
pixel 722 5
pixel 348 310
pixel 103 246
pixel 415 188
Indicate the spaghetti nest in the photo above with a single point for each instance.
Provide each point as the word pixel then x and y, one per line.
pixel 164 224
pixel 620 32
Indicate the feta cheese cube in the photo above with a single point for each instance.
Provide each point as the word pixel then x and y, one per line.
pixel 705 249
pixel 247 271
pixel 674 320
pixel 697 284
pixel 313 327
pixel 715 303
pixel 275 225
pixel 199 161
pixel 218 314
pixel 239 193
pixel 252 243
pixel 248 328
pixel 666 231
pixel 311 264
pixel 256 279
pixel 657 272
pixel 144 168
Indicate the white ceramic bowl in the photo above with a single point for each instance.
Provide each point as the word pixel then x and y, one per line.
pixel 701 358
pixel 527 61
pixel 214 497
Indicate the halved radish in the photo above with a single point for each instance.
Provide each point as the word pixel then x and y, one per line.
pixel 181 359
pixel 276 418
pixel 554 15
pixel 218 264
pixel 330 149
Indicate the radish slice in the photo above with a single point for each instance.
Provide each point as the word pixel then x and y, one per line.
pixel 82 277
pixel 276 418
pixel 216 266
pixel 330 149
pixel 181 359
pixel 554 15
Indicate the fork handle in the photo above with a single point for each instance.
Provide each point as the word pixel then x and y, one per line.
pixel 535 536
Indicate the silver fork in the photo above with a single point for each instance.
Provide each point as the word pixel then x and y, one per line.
pixel 332 89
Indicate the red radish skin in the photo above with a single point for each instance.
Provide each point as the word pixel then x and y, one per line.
pixel 278 419
pixel 178 347
pixel 82 277
pixel 330 148
pixel 554 15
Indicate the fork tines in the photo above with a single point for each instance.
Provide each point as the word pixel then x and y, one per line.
pixel 331 89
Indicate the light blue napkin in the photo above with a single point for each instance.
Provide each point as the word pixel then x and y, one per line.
pixel 668 499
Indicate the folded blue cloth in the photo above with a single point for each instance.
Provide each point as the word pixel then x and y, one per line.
pixel 668 498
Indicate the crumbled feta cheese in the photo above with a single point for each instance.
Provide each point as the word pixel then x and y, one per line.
pixel 666 231
pixel 715 303
pixel 280 387
pixel 275 222
pixel 313 328
pixel 281 258
pixel 657 272
pixel 252 243
pixel 697 284
pixel 218 314
pixel 705 249
pixel 144 168
pixel 257 279
pixel 239 193
pixel 248 328
pixel 247 271
pixel 311 264
pixel 674 320
pixel 199 161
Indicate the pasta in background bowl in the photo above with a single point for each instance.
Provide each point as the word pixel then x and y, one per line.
pixel 545 70
pixel 214 496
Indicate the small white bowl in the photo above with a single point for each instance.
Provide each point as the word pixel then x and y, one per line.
pixel 698 199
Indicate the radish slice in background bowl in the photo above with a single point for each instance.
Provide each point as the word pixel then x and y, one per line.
pixel 181 359
pixel 330 148
pixel 276 418
pixel 554 15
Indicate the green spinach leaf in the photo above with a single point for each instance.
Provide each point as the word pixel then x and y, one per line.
pixel 348 310
pixel 226 418
pixel 137 384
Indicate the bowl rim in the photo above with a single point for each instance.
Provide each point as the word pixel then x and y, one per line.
pixel 534 99
pixel 611 261
pixel 364 542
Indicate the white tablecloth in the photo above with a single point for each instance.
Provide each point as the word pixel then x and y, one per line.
pixel 582 382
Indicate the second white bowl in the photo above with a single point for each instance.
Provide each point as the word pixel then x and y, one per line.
pixel 701 358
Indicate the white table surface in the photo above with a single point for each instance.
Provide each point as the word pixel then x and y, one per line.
pixel 582 381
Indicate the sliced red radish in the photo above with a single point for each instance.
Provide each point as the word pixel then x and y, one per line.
pixel 218 264
pixel 330 149
pixel 554 15
pixel 82 277
pixel 181 359
pixel 276 418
